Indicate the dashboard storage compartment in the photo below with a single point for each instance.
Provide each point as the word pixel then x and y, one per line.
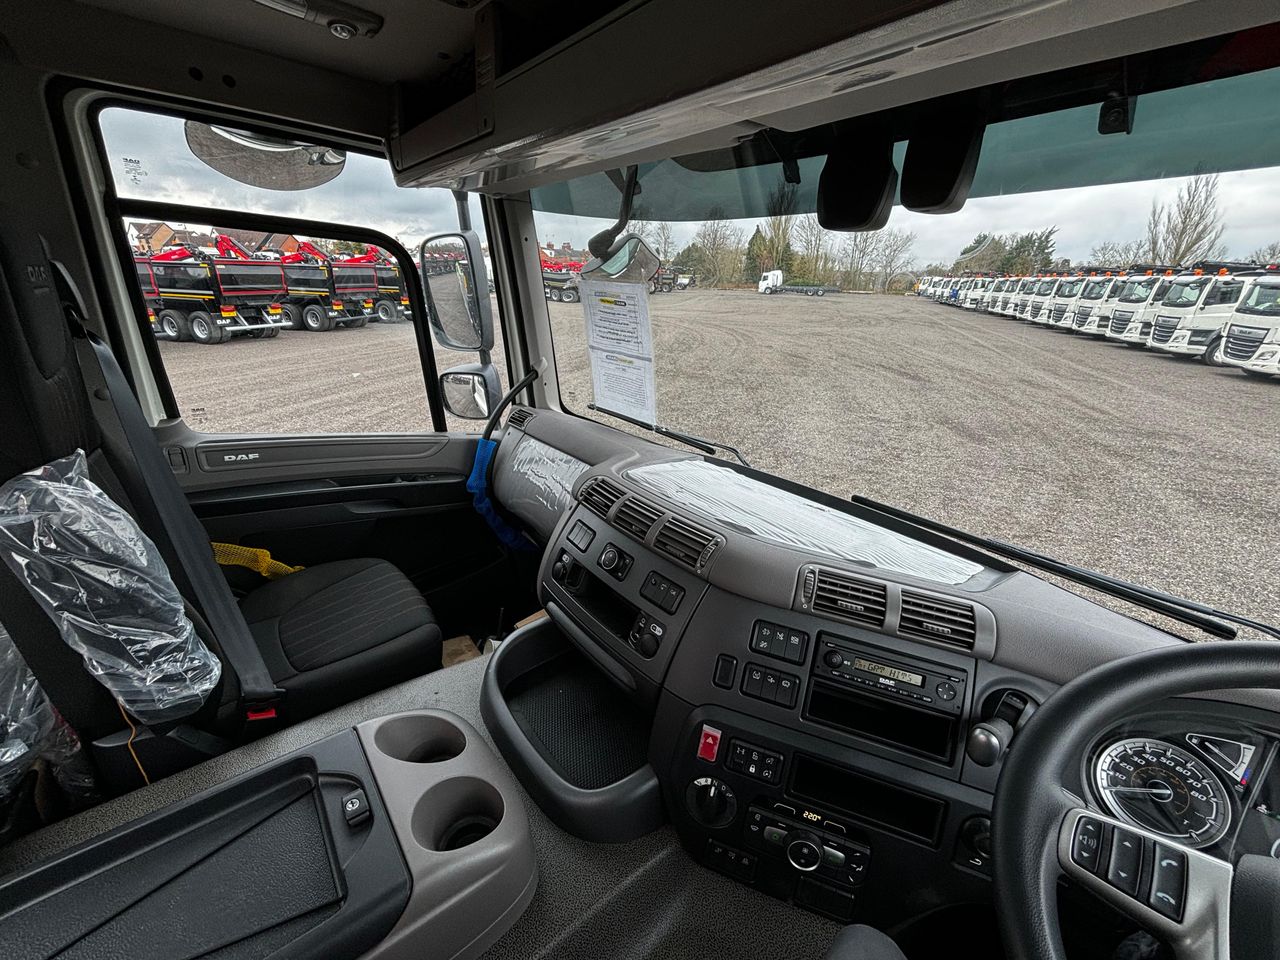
pixel 578 746
pixel 275 863
pixel 463 834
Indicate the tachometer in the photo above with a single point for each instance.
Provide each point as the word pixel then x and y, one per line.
pixel 1161 787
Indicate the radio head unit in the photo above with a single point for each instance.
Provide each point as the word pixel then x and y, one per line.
pixel 908 704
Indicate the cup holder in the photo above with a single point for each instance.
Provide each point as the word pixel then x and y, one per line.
pixel 456 813
pixel 420 738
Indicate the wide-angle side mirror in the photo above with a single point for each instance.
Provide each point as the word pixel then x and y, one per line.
pixel 272 163
pixel 456 285
pixel 471 390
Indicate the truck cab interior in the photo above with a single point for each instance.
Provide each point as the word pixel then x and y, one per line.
pixel 428 658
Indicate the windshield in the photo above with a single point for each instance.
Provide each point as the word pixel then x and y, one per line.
pixel 1094 289
pixel 987 421
pixel 1137 291
pixel 1184 293
pixel 1263 299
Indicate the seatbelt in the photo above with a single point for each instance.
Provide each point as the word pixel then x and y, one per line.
pixel 258 692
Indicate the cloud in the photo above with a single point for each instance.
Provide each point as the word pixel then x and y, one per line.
pixel 150 160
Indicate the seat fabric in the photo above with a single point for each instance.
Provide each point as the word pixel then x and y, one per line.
pixel 341 630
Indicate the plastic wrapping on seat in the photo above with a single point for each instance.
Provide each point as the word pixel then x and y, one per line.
pixel 107 589
pixel 31 730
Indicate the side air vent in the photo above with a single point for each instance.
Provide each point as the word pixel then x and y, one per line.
pixel 519 418
pixel 599 495
pixel 636 517
pixel 849 598
pixel 683 542
pixel 942 621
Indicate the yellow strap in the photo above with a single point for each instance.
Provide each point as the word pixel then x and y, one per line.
pixel 256 559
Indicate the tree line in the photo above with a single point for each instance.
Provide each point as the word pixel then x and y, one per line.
pixel 1178 233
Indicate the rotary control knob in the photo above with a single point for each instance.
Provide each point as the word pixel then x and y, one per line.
pixel 609 557
pixel 711 802
pixel 833 659
pixel 804 850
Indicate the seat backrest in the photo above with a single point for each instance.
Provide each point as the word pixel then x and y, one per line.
pixel 46 413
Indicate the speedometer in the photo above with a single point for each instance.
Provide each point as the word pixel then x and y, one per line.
pixel 1161 787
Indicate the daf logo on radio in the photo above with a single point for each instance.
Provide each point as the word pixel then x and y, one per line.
pixel 238 457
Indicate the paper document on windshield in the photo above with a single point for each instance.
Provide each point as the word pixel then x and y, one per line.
pixel 620 344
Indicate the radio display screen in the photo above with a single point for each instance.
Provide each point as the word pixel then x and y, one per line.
pixel 889 673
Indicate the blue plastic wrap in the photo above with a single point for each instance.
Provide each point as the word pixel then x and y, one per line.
pixel 107 589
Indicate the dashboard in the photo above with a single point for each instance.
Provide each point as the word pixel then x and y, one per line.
pixel 832 693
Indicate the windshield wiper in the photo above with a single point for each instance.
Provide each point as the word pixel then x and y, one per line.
pixel 1207 618
pixel 698 443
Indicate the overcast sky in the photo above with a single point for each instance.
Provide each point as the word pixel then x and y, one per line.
pixel 150 160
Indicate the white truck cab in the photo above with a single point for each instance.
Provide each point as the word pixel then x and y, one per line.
pixel 770 280
pixel 974 295
pixel 1061 306
pixel 1025 293
pixel 1092 312
pixel 1190 318
pixel 1038 303
pixel 1131 317
pixel 1250 339
pixel 991 300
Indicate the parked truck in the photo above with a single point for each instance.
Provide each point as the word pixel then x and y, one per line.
pixel 1189 320
pixel 1132 315
pixel 1092 313
pixel 1250 339
pixel 771 281
pixel 211 299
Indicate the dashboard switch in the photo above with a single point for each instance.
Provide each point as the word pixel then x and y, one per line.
pixel 709 744
pixel 1168 882
pixel 1086 845
pixel 1126 861
pixel 726 670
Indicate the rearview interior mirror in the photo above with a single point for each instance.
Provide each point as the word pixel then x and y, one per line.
pixel 471 390
pixel 457 289
pixel 263 161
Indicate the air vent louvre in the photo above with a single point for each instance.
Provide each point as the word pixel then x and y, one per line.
pixel 636 517
pixel 519 418
pixel 599 495
pixel 850 598
pixel 942 621
pixel 683 542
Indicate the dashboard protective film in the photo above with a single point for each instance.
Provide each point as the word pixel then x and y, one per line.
pixel 768 514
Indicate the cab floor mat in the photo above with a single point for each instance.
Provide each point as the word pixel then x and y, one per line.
pixel 458 650
pixel 669 908
pixel 556 702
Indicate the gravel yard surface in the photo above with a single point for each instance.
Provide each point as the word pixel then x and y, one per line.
pixel 1149 467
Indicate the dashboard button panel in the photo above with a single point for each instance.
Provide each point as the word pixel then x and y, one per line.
pixel 756 762
pixel 782 643
pixel 764 683
pixel 661 592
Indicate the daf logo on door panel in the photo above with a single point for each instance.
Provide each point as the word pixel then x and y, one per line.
pixel 238 457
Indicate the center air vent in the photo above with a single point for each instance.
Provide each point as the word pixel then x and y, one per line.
pixel 942 621
pixel 636 517
pixel 519 418
pixel 683 542
pixel 849 598
pixel 599 495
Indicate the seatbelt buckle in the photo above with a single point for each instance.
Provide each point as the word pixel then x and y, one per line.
pixel 264 709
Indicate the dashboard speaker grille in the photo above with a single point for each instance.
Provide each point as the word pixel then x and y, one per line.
pixel 942 621
pixel 850 598
pixel 519 418
pixel 599 495
pixel 683 542
pixel 636 517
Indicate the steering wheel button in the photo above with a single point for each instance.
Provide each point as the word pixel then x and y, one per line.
pixel 1086 845
pixel 1168 882
pixel 1126 861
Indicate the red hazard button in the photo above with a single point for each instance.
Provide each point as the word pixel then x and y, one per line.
pixel 708 744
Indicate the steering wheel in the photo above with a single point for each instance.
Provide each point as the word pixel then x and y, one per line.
pixel 1036 818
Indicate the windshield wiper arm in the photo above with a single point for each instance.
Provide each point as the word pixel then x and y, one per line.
pixel 1207 618
pixel 698 443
